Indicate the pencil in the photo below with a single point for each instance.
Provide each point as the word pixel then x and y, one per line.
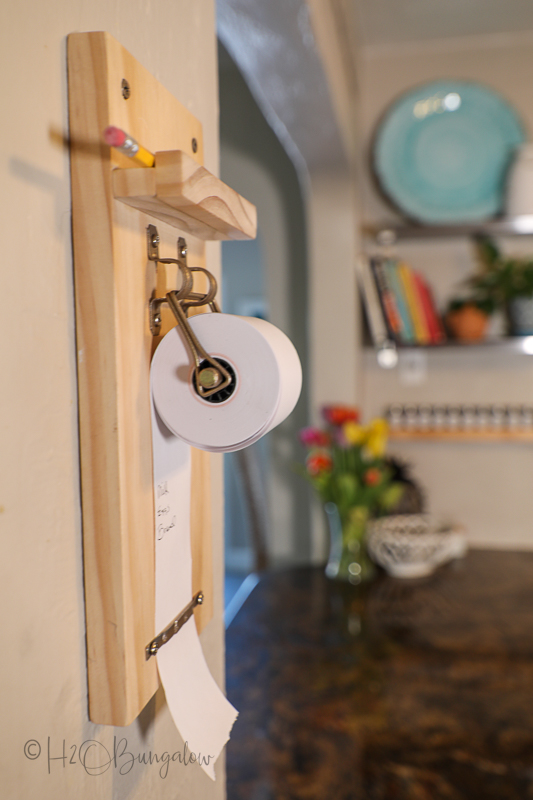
pixel 122 141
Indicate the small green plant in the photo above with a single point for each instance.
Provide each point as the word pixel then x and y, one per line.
pixel 479 300
pixel 497 281
pixel 500 279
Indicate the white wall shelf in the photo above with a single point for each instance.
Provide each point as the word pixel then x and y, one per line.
pixel 398 231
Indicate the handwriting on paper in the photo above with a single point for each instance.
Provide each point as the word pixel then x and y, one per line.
pixel 164 511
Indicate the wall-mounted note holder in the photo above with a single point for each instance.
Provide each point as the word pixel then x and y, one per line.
pixel 114 281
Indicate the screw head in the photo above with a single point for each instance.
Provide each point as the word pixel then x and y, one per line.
pixel 126 91
pixel 194 145
pixel 208 378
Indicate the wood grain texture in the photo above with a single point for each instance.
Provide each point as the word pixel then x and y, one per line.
pixel 180 189
pixel 114 282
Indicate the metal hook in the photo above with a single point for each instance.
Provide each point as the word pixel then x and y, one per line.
pixel 207 299
pixel 210 376
pixel 185 290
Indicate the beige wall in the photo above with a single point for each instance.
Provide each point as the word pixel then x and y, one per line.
pixel 254 181
pixel 43 666
pixel 484 486
pixel 334 321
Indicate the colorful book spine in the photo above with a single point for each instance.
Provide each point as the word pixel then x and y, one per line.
pixel 436 330
pixel 387 299
pixel 440 329
pixel 395 283
pixel 422 335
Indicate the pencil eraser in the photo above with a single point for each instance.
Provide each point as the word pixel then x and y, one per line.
pixel 114 137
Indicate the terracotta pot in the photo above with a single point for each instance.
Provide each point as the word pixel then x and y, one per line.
pixel 467 324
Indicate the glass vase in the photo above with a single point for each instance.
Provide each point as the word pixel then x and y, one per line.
pixel 348 557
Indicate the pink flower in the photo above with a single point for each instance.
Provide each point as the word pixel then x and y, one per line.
pixel 338 415
pixel 314 437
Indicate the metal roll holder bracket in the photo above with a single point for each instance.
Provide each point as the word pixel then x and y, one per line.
pixel 209 376
pixel 176 625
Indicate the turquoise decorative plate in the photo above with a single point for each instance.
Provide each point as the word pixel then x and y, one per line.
pixel 442 151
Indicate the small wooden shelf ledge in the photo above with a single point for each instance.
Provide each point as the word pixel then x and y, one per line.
pixel 181 192
pixel 504 435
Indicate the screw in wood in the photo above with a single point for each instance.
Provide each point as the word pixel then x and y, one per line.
pixel 126 91
pixel 194 145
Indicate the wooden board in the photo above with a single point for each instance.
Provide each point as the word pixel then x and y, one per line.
pixel 179 191
pixel 114 282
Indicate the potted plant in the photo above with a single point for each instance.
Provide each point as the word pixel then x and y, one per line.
pixel 507 282
pixel 347 467
pixel 467 317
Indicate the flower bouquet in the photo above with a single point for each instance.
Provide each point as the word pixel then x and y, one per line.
pixel 347 467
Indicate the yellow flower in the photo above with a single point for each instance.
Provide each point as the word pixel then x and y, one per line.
pixel 354 433
pixel 378 432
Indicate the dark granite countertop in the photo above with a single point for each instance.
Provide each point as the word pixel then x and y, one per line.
pixel 401 690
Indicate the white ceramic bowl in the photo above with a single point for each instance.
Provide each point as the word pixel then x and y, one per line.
pixel 407 546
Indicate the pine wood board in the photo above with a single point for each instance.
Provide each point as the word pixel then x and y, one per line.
pixel 113 283
pixel 180 191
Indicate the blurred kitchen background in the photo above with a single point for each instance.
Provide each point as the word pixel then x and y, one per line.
pixel 304 89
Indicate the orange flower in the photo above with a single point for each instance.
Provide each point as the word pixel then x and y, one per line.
pixel 318 463
pixel 372 477
pixel 338 415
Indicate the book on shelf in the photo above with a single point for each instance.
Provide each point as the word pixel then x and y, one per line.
pixel 407 335
pixel 379 328
pixel 387 299
pixel 433 321
pixel 399 302
pixel 414 304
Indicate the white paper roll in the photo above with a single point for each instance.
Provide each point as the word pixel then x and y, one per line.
pixel 268 382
